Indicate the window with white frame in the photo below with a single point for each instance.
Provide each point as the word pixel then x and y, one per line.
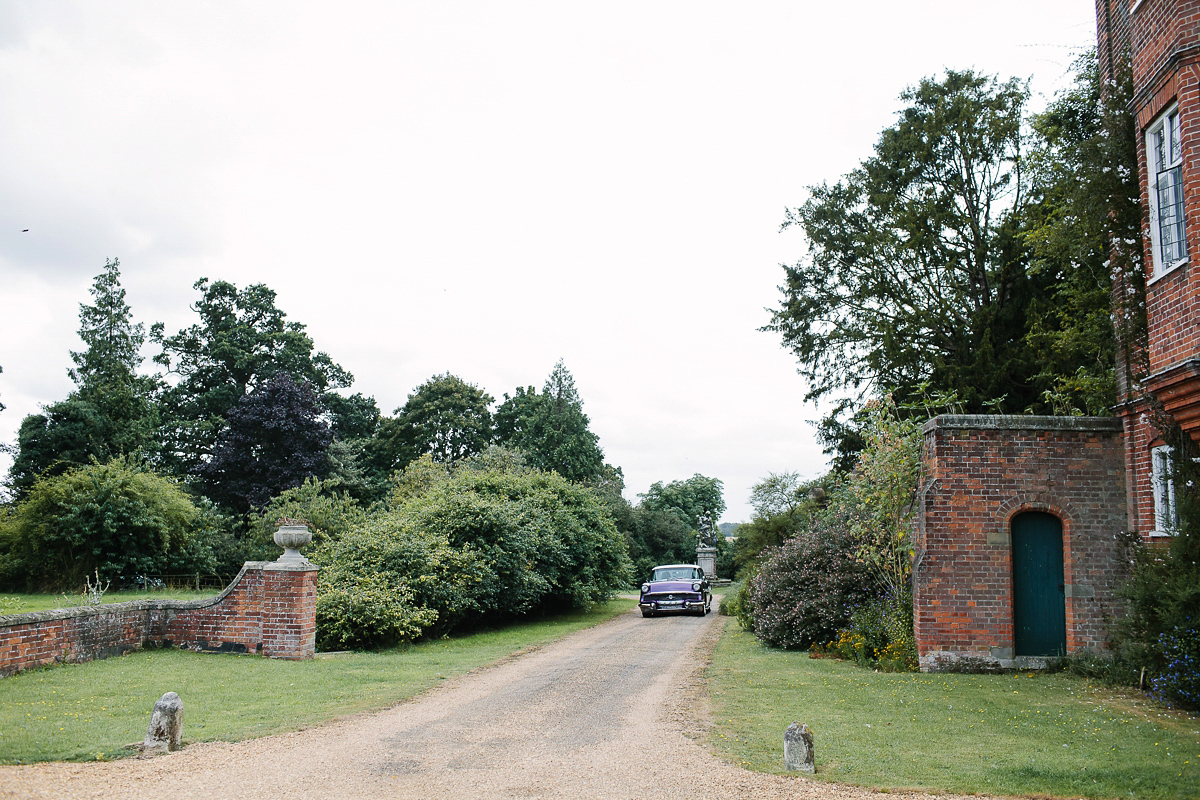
pixel 1162 478
pixel 1164 157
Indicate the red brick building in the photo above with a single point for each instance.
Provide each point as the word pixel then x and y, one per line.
pixel 1159 42
pixel 1019 520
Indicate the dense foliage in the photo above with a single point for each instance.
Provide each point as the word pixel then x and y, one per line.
pixel 445 417
pixel 110 413
pixel 805 590
pixel 1160 631
pixel 117 519
pixel 477 546
pixel 913 269
pixel 842 579
pixel 969 259
pixel 274 439
pixel 782 507
pixel 551 428
pixel 241 341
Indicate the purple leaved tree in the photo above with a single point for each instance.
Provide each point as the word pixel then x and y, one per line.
pixel 274 439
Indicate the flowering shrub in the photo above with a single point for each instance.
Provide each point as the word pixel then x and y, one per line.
pixel 845 577
pixel 1179 682
pixel 880 635
pixel 1159 636
pixel 806 589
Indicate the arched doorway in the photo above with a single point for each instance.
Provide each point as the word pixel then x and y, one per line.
pixel 1039 599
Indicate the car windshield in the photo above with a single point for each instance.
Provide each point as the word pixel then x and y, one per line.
pixel 673 574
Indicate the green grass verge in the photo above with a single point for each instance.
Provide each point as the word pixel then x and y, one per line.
pixel 23 603
pixel 1021 733
pixel 83 712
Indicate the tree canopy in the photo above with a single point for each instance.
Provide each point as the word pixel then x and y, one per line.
pixel 110 413
pixel 551 428
pixel 687 499
pixel 241 341
pixel 274 440
pixel 445 417
pixel 964 260
pixel 912 273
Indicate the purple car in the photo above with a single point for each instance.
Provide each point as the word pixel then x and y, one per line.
pixel 676 589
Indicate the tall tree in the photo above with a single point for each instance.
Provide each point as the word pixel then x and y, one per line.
pixel 687 499
pixel 113 341
pixel 967 262
pixel 110 413
pixel 915 274
pixel 241 341
pixel 1085 210
pixel 445 416
pixel 274 440
pixel 551 428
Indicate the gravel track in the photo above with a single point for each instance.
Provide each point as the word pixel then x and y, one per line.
pixel 616 711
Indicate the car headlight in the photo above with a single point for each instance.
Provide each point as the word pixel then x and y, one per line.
pixel 695 586
pixel 645 588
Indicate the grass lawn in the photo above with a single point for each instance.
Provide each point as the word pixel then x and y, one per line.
pixel 90 711
pixel 23 603
pixel 1021 733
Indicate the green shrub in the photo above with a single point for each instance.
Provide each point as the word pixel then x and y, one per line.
pixel 1104 667
pixel 1158 634
pixel 880 635
pixel 474 547
pixel 329 513
pixel 118 519
pixel 731 601
pixel 370 612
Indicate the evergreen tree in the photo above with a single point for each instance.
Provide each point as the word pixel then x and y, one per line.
pixel 110 413
pixel 551 428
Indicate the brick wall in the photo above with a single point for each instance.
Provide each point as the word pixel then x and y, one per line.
pixel 978 473
pixel 269 608
pixel 1161 39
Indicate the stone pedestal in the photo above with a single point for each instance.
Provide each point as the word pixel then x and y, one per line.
pixel 706 559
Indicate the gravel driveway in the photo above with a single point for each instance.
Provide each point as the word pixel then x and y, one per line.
pixel 617 711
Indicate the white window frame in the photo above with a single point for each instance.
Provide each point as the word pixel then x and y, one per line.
pixel 1162 479
pixel 1164 168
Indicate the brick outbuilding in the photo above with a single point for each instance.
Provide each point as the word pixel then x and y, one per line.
pixel 979 601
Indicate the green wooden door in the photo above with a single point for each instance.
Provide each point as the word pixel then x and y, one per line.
pixel 1039 603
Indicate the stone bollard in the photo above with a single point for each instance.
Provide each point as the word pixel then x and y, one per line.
pixel 798 749
pixel 166 725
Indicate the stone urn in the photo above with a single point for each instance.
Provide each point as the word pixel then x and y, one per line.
pixel 291 538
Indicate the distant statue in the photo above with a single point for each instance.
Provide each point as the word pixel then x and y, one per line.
pixel 708 531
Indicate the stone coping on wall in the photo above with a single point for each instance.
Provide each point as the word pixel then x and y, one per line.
pixel 155 605
pixel 269 608
pixel 134 605
pixel 1021 422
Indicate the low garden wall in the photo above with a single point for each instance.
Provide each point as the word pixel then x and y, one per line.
pixel 269 609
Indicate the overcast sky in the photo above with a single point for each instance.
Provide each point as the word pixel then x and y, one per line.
pixel 474 187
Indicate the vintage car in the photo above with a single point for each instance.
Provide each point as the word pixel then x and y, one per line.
pixel 676 589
